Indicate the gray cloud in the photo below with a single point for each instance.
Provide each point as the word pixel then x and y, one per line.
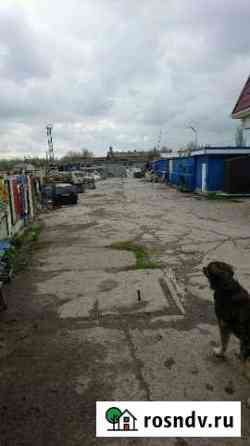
pixel 116 72
pixel 23 57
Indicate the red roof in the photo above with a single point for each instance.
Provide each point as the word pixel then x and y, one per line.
pixel 243 102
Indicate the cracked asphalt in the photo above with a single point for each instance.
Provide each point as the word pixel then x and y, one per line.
pixel 75 333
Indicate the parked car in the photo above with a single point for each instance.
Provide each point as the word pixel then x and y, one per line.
pixel 90 181
pixel 102 171
pixel 67 177
pixel 96 176
pixel 59 194
pixel 139 173
pixel 88 178
pixel 78 180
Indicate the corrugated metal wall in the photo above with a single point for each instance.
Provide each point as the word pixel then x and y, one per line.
pixel 215 172
pixel 160 166
pixel 19 201
pixel 189 172
pixel 183 172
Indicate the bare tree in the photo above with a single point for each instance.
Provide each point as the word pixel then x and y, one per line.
pixel 165 149
pixel 87 153
pixel 72 155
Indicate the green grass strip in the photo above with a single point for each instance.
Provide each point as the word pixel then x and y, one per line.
pixel 140 253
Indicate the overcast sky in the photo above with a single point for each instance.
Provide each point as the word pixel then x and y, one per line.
pixel 116 72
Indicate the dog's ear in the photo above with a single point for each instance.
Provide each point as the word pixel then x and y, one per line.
pixel 222 270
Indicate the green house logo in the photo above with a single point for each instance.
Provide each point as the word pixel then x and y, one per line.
pixel 121 421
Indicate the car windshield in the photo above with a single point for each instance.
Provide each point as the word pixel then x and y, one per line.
pixel 63 189
pixel 47 189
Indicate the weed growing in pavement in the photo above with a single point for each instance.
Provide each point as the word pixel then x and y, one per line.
pixel 142 256
pixel 30 234
pixel 219 196
pixel 212 196
pixel 21 249
pixel 183 188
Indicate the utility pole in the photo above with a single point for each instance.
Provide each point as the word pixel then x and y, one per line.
pixel 196 135
pixel 51 155
pixel 159 141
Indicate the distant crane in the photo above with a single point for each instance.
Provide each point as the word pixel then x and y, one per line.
pixel 51 155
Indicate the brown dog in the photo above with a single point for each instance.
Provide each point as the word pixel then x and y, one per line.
pixel 232 308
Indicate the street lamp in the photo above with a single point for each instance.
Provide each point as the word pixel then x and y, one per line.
pixel 161 138
pixel 196 134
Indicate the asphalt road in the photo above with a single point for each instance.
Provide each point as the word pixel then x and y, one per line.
pixel 76 333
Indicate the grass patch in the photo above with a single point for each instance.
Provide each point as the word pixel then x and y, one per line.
pixel 183 188
pixel 218 196
pixel 141 254
pixel 20 252
pixel 30 234
pixel 212 196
